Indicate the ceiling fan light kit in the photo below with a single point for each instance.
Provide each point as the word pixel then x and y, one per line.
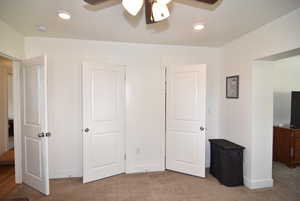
pixel 160 11
pixel 155 10
pixel 133 7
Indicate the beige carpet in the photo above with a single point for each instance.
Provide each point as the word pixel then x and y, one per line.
pixel 166 186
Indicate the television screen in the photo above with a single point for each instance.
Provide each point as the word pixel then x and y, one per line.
pixel 295 109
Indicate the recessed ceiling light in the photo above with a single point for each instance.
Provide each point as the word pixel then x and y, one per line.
pixel 41 28
pixel 199 27
pixel 64 15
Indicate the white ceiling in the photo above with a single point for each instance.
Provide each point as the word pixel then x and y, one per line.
pixel 224 22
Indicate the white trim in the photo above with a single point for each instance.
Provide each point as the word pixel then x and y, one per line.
pixel 16 65
pixel 256 184
pixel 17 121
pixel 163 143
pixel 125 118
pixel 69 173
pixel 9 57
pixel 144 168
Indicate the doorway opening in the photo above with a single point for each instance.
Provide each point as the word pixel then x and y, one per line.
pixel 7 156
pixel 275 78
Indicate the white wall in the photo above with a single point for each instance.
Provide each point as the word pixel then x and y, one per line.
pixel 11 42
pixel 145 86
pixel 262 109
pixel 285 80
pixel 236 115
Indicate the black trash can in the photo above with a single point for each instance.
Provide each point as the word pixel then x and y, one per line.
pixel 226 162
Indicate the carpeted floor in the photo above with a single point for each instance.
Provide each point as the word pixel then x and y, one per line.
pixel 166 186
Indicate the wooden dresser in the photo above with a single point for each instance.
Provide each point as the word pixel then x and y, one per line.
pixel 286 146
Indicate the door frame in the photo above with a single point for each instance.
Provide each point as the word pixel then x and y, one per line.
pixel 164 137
pixel 16 65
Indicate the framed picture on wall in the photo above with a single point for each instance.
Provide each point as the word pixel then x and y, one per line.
pixel 232 86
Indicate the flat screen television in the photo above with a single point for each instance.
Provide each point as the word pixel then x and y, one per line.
pixel 295 109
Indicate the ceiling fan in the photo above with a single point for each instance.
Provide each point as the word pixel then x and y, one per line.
pixel 155 10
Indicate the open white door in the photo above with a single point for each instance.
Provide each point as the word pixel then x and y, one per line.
pixel 34 124
pixel 185 126
pixel 103 121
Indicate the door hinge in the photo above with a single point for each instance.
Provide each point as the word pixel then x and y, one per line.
pixel 124 156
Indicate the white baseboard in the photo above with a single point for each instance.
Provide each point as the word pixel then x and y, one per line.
pixel 256 184
pixel 130 170
pixel 134 169
pixel 65 174
pixel 144 168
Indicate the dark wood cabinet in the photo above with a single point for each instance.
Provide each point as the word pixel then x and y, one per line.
pixel 286 146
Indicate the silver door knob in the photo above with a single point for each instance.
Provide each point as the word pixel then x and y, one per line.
pixel 202 128
pixel 43 134
pixel 86 130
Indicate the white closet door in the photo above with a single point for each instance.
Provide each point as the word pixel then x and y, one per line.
pixel 35 124
pixel 103 120
pixel 186 109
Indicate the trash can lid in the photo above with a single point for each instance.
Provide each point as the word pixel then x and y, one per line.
pixel 225 144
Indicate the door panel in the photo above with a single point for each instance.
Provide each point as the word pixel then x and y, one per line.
pixel 186 154
pixel 186 109
pixel 185 91
pixel 32 152
pixel 108 143
pixel 31 87
pixel 34 124
pixel 104 96
pixel 104 116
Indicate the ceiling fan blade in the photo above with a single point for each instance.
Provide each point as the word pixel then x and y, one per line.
pixel 94 2
pixel 208 1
